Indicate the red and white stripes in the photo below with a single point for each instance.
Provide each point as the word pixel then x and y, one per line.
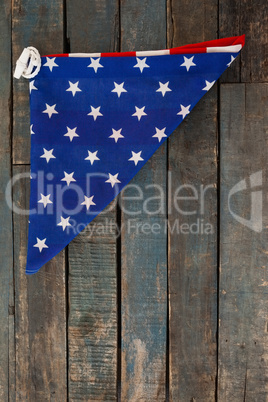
pixel 226 45
pixel 29 62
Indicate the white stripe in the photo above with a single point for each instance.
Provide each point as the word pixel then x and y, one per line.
pixel 153 52
pixel 224 49
pixel 219 49
pixel 84 54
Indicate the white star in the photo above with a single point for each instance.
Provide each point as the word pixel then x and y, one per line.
pixel 116 134
pixel 48 155
pixel 68 177
pixel 118 88
pixel 92 156
pixel 232 59
pixel 141 64
pixel 64 222
pixel 32 87
pixel 208 85
pixel 95 112
pixel 160 133
pixel 31 127
pixel 163 88
pixel 50 110
pixel 113 179
pixel 73 88
pixel 45 199
pixel 184 110
pixel 51 63
pixel 95 63
pixel 88 202
pixel 136 157
pixel 139 112
pixel 188 63
pixel 71 133
pixel 40 244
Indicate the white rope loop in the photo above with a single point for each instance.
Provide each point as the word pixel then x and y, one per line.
pixel 29 63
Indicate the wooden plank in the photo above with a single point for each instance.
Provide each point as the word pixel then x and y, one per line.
pixel 191 22
pixel 243 306
pixel 144 293
pixel 12 356
pixel 192 252
pixel 40 307
pixel 38 24
pixel 93 312
pixel 193 255
pixel 92 328
pixel 250 18
pixel 40 304
pixel 93 26
pixel 6 243
pixel 144 254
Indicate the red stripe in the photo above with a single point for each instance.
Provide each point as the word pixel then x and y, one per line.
pixel 234 40
pixel 57 55
pixel 195 48
pixel 118 54
pixel 179 50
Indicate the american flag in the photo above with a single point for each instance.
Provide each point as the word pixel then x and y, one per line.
pixel 95 121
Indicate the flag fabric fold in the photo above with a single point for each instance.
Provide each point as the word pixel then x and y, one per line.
pixel 96 119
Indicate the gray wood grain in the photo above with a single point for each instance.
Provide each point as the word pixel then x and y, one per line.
pixel 93 26
pixel 92 328
pixel 243 303
pixel 38 24
pixel 144 255
pixel 40 307
pixel 192 253
pixel 33 350
pixel 92 325
pixel 6 241
pixel 191 22
pixel 250 18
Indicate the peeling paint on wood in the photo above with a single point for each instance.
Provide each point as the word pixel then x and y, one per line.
pixel 33 335
pixel 40 325
pixel 92 327
pixel 6 241
pixel 193 260
pixel 192 257
pixel 144 269
pixel 243 346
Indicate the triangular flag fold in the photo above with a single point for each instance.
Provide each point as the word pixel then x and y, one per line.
pixel 96 119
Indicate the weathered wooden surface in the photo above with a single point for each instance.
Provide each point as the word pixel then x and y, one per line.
pixel 250 18
pixel 6 241
pixel 144 293
pixel 38 24
pixel 204 336
pixel 243 305
pixel 193 256
pixel 40 300
pixel 93 321
pixel 40 325
pixel 144 260
pixel 192 252
pixel 92 327
pixel 191 22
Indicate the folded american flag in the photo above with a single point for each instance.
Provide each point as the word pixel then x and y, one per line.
pixel 95 121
